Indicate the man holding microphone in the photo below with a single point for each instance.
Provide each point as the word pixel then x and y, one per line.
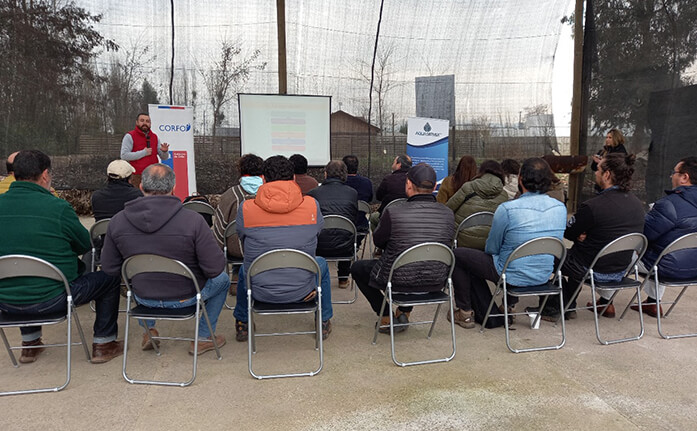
pixel 137 145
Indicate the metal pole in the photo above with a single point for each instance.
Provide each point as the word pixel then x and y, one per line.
pixel 282 68
pixel 576 104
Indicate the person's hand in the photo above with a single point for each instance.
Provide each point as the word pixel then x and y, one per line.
pixel 597 159
pixel 164 147
pixel 581 237
pixel 148 151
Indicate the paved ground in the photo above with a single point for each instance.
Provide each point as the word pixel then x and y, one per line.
pixel 647 384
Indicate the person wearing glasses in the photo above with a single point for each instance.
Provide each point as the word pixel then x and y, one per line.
pixel 137 145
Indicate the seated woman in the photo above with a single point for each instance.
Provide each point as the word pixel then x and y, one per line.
pixel 484 193
pixel 614 143
pixel 466 170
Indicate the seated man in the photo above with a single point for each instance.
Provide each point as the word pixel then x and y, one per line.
pixel 36 223
pixel 336 198
pixel 363 186
pixel 280 217
pixel 10 178
pixel 305 181
pixel 402 228
pixel 108 201
pixel 392 186
pixel 249 167
pixel 600 220
pixel 532 215
pixel 670 218
pixel 159 224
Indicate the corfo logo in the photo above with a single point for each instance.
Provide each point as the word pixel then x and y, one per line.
pixel 427 127
pixel 175 128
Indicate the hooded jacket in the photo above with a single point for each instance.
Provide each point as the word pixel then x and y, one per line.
pixel 485 193
pixel 226 212
pixel 161 225
pixel 279 217
pixel 108 201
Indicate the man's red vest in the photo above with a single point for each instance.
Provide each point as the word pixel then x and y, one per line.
pixel 139 143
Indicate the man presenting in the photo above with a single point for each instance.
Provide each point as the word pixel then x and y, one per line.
pixel 137 145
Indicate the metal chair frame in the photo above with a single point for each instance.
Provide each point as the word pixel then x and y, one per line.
pixel 96 230
pixel 200 207
pixel 428 251
pixel 536 246
pixel 481 218
pixel 148 263
pixel 16 265
pixel 277 259
pixel 368 236
pixel 230 230
pixel 341 222
pixel 687 241
pixel 634 242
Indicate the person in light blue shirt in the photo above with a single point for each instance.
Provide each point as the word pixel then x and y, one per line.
pixel 532 215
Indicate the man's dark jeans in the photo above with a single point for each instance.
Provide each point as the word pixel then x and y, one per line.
pixel 360 271
pixel 95 286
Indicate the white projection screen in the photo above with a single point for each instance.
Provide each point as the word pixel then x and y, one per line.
pixel 272 124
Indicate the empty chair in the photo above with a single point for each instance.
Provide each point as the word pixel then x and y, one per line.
pixel 482 218
pixel 97 232
pixel 277 259
pixel 14 265
pixel 537 246
pixel 340 222
pixel 149 263
pixel 206 210
pixel 432 252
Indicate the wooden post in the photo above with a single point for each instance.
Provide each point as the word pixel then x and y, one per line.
pixel 281 25
pixel 576 103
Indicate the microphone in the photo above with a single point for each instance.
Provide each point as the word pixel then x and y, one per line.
pixel 147 140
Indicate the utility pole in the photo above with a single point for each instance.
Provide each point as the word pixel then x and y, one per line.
pixel 281 26
pixel 576 104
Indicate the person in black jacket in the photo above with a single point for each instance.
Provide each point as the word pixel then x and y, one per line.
pixel 111 199
pixel 420 219
pixel 614 143
pixel 392 186
pixel 336 198
pixel 600 220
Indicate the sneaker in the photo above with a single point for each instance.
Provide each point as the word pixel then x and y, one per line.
pixel 105 352
pixel 609 312
pixel 463 318
pixel 326 329
pixel 29 355
pixel 242 331
pixel 207 345
pixel 344 283
pixel 146 344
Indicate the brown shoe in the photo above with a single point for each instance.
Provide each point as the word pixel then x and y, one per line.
pixel 241 331
pixel 207 345
pixel 326 329
pixel 105 352
pixel 385 324
pixel 344 284
pixel 649 309
pixel 463 318
pixel 609 312
pixel 29 355
pixel 146 344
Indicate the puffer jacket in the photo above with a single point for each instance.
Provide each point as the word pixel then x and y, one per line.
pixel 279 217
pixel 446 190
pixel 420 219
pixel 336 198
pixel 481 194
pixel 670 218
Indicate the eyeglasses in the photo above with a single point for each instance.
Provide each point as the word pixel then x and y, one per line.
pixel 673 173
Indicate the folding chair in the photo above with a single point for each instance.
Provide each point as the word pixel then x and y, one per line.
pixel 16 265
pixel 367 236
pixel 428 251
pixel 632 242
pixel 149 263
pixel 97 230
pixel 537 246
pixel 482 218
pixel 392 204
pixel 276 259
pixel 340 222
pixel 231 230
pixel 683 243
pixel 202 208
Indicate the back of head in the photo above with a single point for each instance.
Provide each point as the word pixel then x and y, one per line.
pixel 250 164
pixel 492 167
pixel 423 178
pixel 510 167
pixel 404 161
pixel 158 179
pixel 351 163
pixel 336 169
pixel 299 163
pixel 536 175
pixel 466 170
pixel 621 169
pixel 689 167
pixel 30 164
pixel 277 168
pixel 119 170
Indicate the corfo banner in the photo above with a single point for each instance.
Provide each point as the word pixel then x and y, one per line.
pixel 427 142
pixel 174 125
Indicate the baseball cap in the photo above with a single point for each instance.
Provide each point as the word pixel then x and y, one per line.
pixel 422 176
pixel 120 169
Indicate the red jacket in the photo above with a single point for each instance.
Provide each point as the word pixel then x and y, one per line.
pixel 139 143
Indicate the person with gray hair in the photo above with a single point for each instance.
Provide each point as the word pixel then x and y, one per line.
pixel 159 224
pixel 336 198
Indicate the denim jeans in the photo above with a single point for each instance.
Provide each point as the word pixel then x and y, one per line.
pixel 213 295
pixel 94 286
pixel 241 312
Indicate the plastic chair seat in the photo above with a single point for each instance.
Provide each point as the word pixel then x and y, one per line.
pixel 625 283
pixel 548 288
pixel 407 299
pixel 32 319
pixel 297 307
pixel 668 281
pixel 141 311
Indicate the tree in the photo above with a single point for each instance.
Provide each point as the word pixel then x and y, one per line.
pixel 46 54
pixel 226 77
pixel 148 96
pixel 383 79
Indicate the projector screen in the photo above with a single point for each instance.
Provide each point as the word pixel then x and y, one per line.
pixel 272 124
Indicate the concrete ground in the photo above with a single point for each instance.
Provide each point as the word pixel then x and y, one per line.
pixel 646 384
